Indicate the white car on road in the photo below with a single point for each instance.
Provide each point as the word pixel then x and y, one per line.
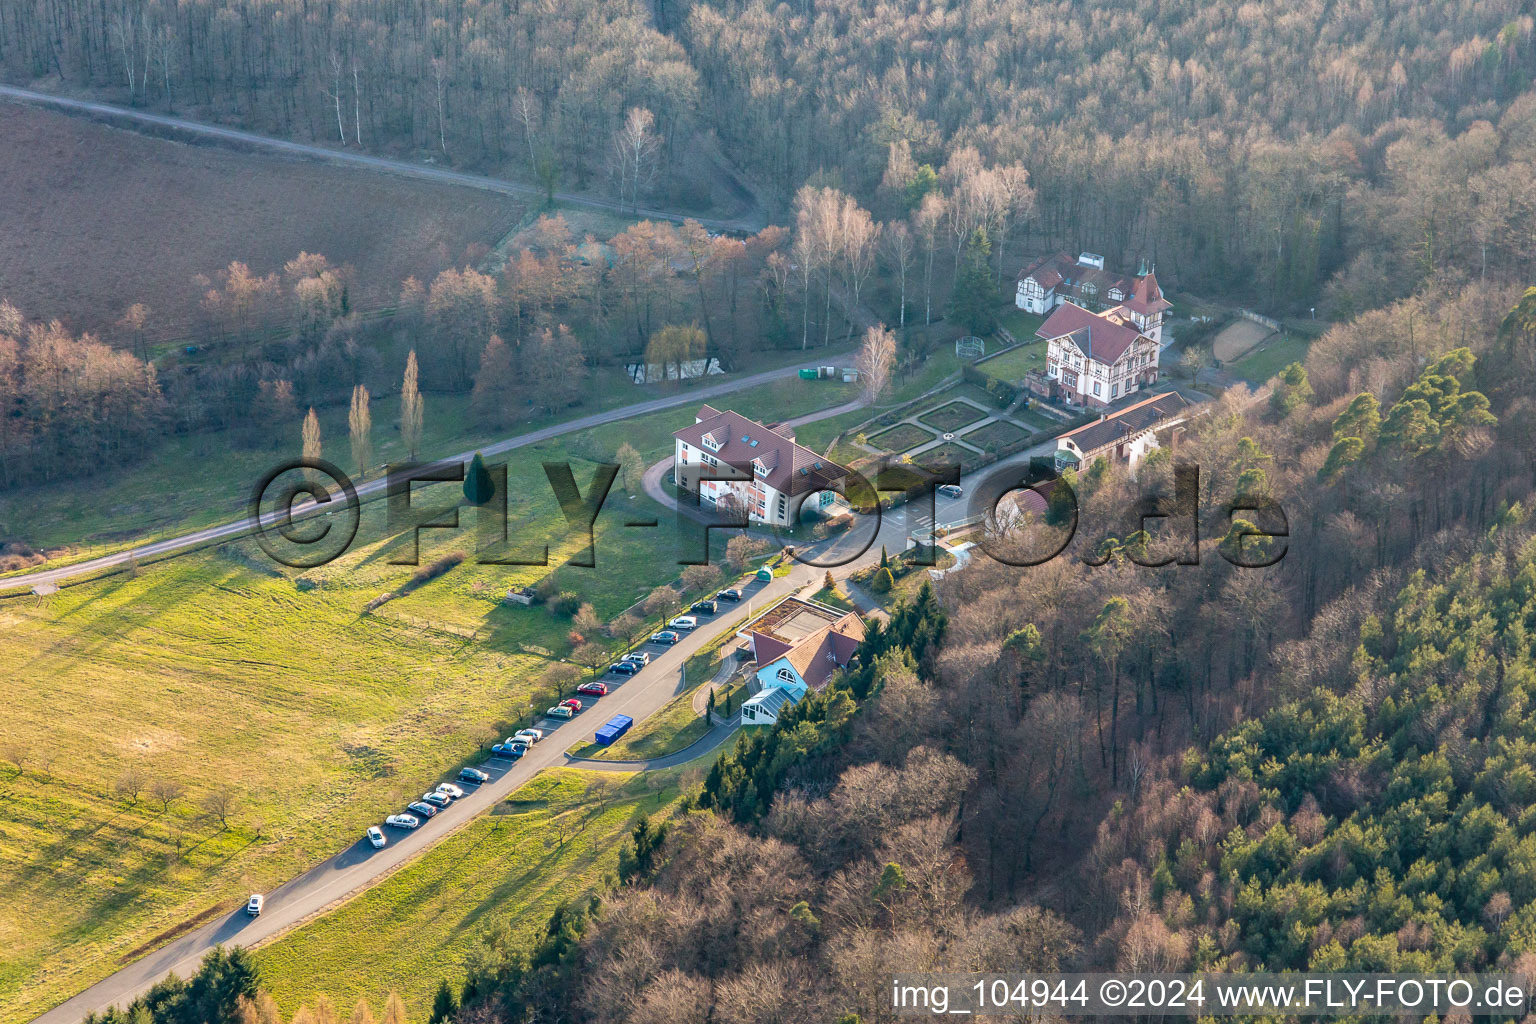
pixel 376 837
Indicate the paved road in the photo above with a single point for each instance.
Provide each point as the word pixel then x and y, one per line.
pixel 374 488
pixel 359 866
pixel 638 696
pixel 752 218
pixel 718 733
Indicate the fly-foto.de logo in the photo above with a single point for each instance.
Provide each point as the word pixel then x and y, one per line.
pixel 305 513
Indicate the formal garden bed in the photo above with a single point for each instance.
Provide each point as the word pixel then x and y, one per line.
pixel 902 437
pixel 946 453
pixel 994 434
pixel 951 417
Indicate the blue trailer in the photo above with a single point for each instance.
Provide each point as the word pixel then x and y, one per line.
pixel 616 726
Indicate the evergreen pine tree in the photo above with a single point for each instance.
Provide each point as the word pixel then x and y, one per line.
pixel 444 1006
pixel 972 302
pixel 479 488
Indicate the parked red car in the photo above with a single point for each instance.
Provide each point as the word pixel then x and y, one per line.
pixel 572 703
pixel 593 689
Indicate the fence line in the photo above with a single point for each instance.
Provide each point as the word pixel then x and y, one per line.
pixel 1260 318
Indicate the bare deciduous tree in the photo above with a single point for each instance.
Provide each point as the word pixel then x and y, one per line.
pixel 219 803
pixel 635 149
pixel 167 791
pixel 411 408
pixel 360 427
pixel 876 358
pixel 130 783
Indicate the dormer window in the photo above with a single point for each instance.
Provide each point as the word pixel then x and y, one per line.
pixel 708 441
pixel 757 464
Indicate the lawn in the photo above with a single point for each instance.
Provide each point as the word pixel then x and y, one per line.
pixel 1275 356
pixel 997 432
pixel 1012 365
pixel 1038 420
pixel 951 417
pixel 901 437
pixel 214 669
pixel 1020 324
pixel 818 435
pixel 509 869
pixel 834 598
pixel 669 730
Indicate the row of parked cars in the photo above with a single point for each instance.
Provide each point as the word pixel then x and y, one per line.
pixel 520 742
pixel 634 661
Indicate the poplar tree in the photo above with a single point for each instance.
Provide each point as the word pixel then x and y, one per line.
pixel 411 408
pixel 360 424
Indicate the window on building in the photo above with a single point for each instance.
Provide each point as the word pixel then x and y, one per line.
pixel 1114 391
pixel 786 675
pixel 1096 387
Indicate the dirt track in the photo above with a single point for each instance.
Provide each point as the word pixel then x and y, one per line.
pixel 1238 338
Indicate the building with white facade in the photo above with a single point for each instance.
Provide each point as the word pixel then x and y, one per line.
pixel 1052 281
pixel 738 465
pixel 1126 437
pixel 797 645
pixel 1096 359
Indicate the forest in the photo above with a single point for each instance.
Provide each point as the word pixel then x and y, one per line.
pixel 1142 755
pixel 1296 155
pixel 1322 764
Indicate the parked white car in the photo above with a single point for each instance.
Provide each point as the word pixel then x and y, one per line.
pixel 449 789
pixel 376 837
pixel 405 821
pixel 559 711
pixel 528 735
pixel 683 622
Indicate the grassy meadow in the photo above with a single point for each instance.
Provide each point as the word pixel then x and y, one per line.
pixel 218 672
pixel 551 842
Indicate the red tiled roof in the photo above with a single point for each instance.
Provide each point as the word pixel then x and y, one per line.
pixel 767 648
pixel 792 469
pixel 1101 336
pixel 829 648
pixel 1050 271
pixel 1147 298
